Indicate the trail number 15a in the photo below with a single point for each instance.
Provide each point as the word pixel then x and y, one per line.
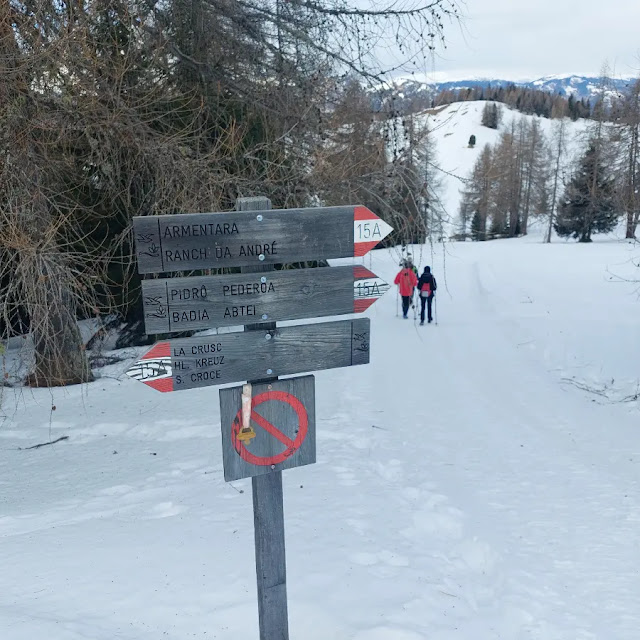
pixel 368 231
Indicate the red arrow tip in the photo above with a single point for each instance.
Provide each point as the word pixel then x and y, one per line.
pixel 361 212
pixel 159 350
pixel 360 272
pixel 363 304
pixel 165 385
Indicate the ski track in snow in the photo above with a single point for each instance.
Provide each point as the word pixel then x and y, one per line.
pixel 462 492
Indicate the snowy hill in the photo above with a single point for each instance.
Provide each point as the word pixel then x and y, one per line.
pixel 478 480
pixel 451 127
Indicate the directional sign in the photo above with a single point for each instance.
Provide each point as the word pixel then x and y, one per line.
pixel 181 304
pixel 244 238
pixel 283 420
pixel 189 363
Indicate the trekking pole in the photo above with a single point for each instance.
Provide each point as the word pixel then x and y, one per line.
pixel 435 302
pixel 397 302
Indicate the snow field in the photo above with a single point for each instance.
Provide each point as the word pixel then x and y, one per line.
pixel 465 489
pixel 452 126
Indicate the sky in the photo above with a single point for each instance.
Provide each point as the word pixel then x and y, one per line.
pixel 515 40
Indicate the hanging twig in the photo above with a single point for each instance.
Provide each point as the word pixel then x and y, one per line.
pixel 43 444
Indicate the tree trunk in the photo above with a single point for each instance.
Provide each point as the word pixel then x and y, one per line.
pixel 587 226
pixel 556 178
pixel 633 198
pixel 554 199
pixel 60 357
pixel 531 170
pixel 64 363
pixel 515 223
pixel 527 203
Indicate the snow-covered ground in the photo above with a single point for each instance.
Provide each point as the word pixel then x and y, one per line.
pixel 452 126
pixel 466 488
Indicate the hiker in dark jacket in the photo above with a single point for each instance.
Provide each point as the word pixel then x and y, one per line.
pixel 427 288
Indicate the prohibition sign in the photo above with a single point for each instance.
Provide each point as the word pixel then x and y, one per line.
pixel 291 445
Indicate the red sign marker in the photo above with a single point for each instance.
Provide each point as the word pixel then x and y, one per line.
pixel 367 288
pixel 154 368
pixel 368 230
pixel 291 446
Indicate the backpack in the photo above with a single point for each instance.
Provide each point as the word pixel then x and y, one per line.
pixel 428 288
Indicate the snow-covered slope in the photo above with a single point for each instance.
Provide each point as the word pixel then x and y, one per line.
pixel 451 128
pixel 465 489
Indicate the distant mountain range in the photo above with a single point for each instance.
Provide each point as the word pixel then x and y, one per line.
pixel 580 87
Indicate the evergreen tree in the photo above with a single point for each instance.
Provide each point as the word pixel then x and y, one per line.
pixel 572 108
pixel 478 227
pixel 588 204
pixel 490 115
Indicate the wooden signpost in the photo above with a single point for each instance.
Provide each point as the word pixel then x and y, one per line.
pixel 199 302
pixel 268 424
pixel 280 236
pixel 189 363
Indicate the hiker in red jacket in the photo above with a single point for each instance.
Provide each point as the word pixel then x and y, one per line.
pixel 406 281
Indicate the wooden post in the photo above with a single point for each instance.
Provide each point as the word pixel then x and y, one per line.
pixel 268 510
pixel 271 569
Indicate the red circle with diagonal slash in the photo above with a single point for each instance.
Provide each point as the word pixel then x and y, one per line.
pixel 291 445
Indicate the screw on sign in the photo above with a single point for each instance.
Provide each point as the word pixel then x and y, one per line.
pixel 291 446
